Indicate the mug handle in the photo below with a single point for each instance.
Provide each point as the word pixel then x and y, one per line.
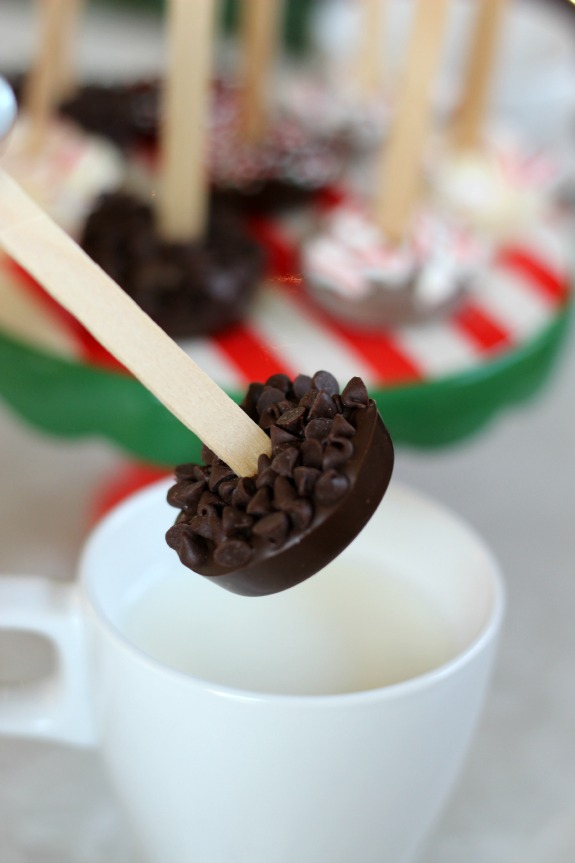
pixel 57 707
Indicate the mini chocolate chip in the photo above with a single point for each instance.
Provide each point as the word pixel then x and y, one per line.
pixel 220 472
pixel 318 428
pixel 325 381
pixel 226 489
pixel 285 461
pixel 338 403
pixel 270 396
pixel 355 394
pixel 176 533
pixel 301 385
pixel 300 512
pixel 273 528
pixel 207 455
pixel 337 452
pixel 261 502
pixel 250 400
pixel 243 493
pixel 201 472
pixel 341 427
pixel 269 417
pixel 191 549
pixel 186 494
pixel 285 405
pixel 206 525
pixel 233 553
pixel 330 487
pixel 308 398
pixel 281 438
pixel 264 461
pixel 235 520
pixel 208 501
pixel 292 419
pixel 311 452
pixel 283 492
pixel 305 479
pixel 185 471
pixel 279 382
pixel 266 478
pixel 323 406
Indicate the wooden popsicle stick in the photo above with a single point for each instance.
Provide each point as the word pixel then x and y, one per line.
pixel 470 118
pixel 259 36
pixel 31 238
pixel 67 80
pixel 41 88
pixel 182 203
pixel 369 55
pixel 400 165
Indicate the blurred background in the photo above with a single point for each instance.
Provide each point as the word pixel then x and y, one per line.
pixel 492 438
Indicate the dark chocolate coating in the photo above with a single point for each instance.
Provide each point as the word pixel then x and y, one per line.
pixel 333 527
pixel 268 197
pixel 292 521
pixel 189 289
pixel 126 113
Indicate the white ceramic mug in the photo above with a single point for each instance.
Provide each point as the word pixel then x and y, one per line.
pixel 326 724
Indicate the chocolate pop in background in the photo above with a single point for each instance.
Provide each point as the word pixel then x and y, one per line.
pixel 187 261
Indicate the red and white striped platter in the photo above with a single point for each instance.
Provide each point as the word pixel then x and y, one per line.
pixel 526 288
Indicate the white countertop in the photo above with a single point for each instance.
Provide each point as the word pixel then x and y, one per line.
pixel 515 482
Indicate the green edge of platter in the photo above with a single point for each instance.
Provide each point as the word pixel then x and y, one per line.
pixel 76 400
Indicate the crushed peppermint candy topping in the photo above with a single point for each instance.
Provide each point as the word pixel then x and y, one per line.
pixel 499 188
pixel 352 260
pixel 291 151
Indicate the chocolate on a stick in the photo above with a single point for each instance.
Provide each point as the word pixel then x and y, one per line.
pixel 321 460
pixel 330 465
pixel 188 263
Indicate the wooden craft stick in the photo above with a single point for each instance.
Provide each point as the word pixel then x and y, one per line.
pixel 369 54
pixel 259 36
pixel 67 78
pixel 470 119
pixel 182 204
pixel 401 158
pixel 32 239
pixel 41 88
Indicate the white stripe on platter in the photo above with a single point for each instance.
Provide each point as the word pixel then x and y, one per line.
pixel 518 309
pixel 214 363
pixel 438 348
pixel 303 342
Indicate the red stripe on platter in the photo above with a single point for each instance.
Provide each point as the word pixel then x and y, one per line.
pixel 480 329
pixel 552 285
pixel 254 359
pixel 377 349
pixel 282 252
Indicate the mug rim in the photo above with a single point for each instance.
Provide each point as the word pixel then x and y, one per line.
pixel 391 691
